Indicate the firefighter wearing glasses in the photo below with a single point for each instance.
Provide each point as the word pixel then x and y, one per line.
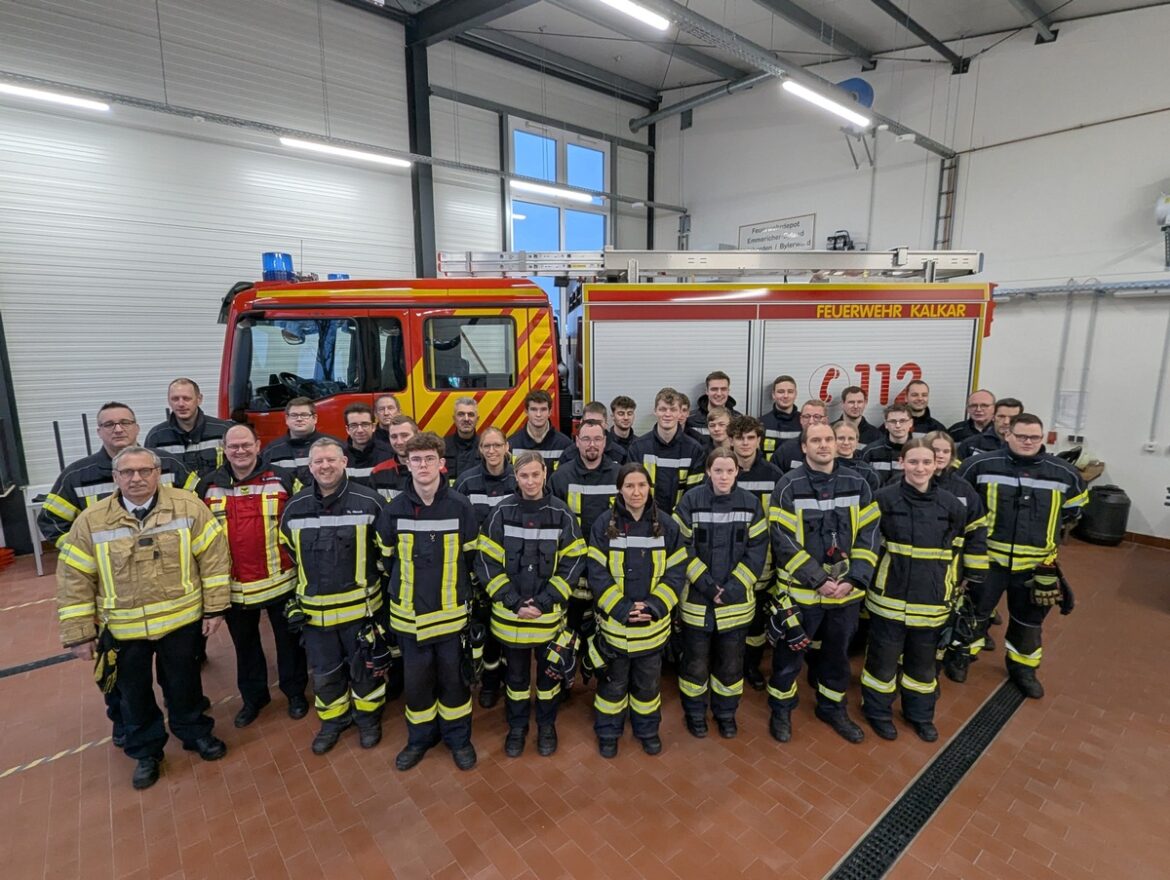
pixel 249 498
pixel 329 528
pixel 430 534
pixel 530 554
pixel 928 533
pixel 1030 496
pixel 727 531
pixel 824 529
pixel 637 567
pixel 150 565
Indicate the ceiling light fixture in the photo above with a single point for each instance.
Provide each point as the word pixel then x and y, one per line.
pixel 556 192
pixel 641 13
pixel 858 119
pixel 344 152
pixel 52 97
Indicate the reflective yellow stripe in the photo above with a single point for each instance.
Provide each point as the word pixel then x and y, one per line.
pixel 258 592
pixel 665 595
pixel 835 696
pixel 359 555
pixel 782 517
pixel 778 694
pixel 759 527
pixel 406 568
pixel 744 575
pixel 509 628
pixel 597 556
pixel 74 557
pixel 683 528
pixel 919 687
pixel 60 508
pixel 734 689
pixel 328 711
pixel 518 696
pixel 210 532
pixel 645 708
pixel 868 514
pixel 454 713
pixel 490 548
pixel 1014 653
pixel 636 639
pixel 562 587
pixel 422 716
pixel 496 584
pixel 913 552
pixel 551 694
pixel 610 707
pixel 691 688
pixel 451 545
pixel 874 683
pixel 609 598
pixel 693 614
pixel 81 609
pixel 371 701
pixel 695 569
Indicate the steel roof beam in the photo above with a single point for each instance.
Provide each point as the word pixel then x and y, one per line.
pixel 819 29
pixel 637 91
pixel 588 10
pixel 958 63
pixel 1037 19
pixel 450 18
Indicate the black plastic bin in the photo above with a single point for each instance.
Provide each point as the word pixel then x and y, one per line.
pixel 1106 516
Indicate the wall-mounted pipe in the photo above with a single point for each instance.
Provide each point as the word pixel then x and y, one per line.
pixel 1155 287
pixel 1157 413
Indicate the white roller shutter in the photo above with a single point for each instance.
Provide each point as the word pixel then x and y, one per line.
pixel 118 244
pixel 467 204
pixel 637 358
pixel 824 357
pixel 630 232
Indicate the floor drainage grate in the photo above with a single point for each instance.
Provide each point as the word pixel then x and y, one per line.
pixel 874 855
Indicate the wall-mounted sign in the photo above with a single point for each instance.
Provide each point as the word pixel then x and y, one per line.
pixel 788 234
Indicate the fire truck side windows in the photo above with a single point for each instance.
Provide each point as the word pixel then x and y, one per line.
pixel 312 358
pixel 470 352
pixel 391 355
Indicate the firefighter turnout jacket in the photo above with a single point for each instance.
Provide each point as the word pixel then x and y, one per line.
pixel 728 538
pixel 644 562
pixel 927 536
pixel 925 423
pixel 360 463
pixel 1028 499
pixel 200 449
pixel 864 468
pixel 866 433
pixel 697 420
pixel 529 550
pixel 819 520
pixel 485 490
pixel 885 457
pixel 550 446
pixel 460 456
pixel 250 509
pixel 141 579
pixel 588 493
pixel 430 586
pixel 977 444
pixel 90 480
pixel 292 454
pixel 778 427
pixel 674 466
pixel 334 542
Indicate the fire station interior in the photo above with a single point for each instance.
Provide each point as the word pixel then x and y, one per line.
pixel 443 199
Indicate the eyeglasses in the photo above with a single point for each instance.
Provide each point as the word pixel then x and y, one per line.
pixel 899 421
pixel 591 441
pixel 298 417
pixel 121 423
pixel 486 446
pixel 142 472
pixel 240 447
pixel 359 426
pixel 1028 438
pixel 428 461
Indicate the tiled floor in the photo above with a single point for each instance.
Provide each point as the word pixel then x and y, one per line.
pixel 1075 786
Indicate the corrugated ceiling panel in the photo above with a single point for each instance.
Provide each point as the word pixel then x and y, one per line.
pixel 118 245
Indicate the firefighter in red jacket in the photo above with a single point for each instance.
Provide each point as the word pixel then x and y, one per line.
pixel 249 498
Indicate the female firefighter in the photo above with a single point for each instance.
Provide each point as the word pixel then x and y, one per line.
pixel 926 534
pixel 727 531
pixel 636 566
pixel 530 554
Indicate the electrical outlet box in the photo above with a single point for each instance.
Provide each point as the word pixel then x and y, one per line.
pixel 1149 447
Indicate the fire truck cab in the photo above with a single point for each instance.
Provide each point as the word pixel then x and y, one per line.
pixel 427 341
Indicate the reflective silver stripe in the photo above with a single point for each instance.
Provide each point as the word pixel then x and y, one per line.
pixel 1030 482
pixel 632 541
pixel 592 490
pixel 704 431
pixel 107 535
pixel 962 500
pixel 183 522
pixel 756 485
pixel 666 462
pixel 179 448
pixel 96 489
pixel 782 435
pixel 427 525
pixel 723 516
pixel 532 534
pixel 825 503
pixel 167 479
pixel 358 472
pixel 320 522
pixel 290 462
pixel 794 464
pixel 390 494
pixel 489 500
pixel 886 465
pixel 251 490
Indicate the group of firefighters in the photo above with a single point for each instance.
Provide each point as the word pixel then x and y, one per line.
pixel 398 563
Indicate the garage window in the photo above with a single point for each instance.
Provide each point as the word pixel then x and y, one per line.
pixel 470 351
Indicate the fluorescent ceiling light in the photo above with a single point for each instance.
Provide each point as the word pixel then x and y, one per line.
pixel 52 97
pixel 641 13
pixel 556 192
pixel 519 216
pixel 827 103
pixel 330 150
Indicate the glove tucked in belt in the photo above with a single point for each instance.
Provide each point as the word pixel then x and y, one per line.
pixel 784 624
pixel 1045 586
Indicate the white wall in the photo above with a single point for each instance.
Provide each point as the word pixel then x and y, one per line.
pixel 1059 201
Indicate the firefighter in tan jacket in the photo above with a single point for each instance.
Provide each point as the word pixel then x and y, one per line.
pixel 142 574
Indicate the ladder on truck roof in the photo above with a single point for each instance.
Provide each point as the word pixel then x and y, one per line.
pixel 635 265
